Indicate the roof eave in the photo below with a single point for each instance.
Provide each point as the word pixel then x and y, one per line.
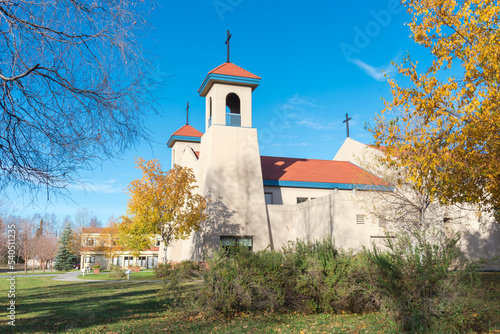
pixel 212 78
pixel 174 139
pixel 326 185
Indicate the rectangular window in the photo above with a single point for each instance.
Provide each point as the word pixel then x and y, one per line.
pixel 301 199
pixel 228 242
pixel 360 219
pixel 117 261
pixel 128 261
pixel 141 261
pixel 90 242
pixel 269 198
pixel 158 242
pixel 89 259
pixel 152 261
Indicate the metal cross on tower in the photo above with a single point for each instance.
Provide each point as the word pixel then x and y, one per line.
pixel 227 43
pixel 187 113
pixel 347 119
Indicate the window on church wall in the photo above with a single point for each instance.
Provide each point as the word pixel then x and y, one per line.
pixel 360 219
pixel 229 243
pixel 268 198
pixel 233 110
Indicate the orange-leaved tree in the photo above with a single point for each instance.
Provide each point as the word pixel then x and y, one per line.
pixel 108 241
pixel 445 126
pixel 161 203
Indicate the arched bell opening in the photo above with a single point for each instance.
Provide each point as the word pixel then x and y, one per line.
pixel 233 110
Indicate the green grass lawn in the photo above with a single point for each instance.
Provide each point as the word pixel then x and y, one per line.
pixel 45 305
pixel 146 275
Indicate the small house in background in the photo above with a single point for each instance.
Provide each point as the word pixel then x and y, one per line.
pixel 99 247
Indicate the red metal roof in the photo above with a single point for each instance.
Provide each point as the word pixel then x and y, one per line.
pixel 311 170
pixel 188 131
pixel 233 70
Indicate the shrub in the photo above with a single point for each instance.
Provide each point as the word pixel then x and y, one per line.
pixel 331 279
pixel 422 294
pixel 116 272
pixel 304 276
pixel 182 270
pixel 162 270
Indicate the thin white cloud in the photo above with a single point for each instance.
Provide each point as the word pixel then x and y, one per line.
pixel 317 125
pixel 297 103
pixel 380 73
pixel 102 187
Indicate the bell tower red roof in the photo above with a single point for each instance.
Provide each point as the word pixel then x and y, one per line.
pixel 229 73
pixel 233 70
pixel 185 133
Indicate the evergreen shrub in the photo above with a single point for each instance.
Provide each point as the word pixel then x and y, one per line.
pixel 304 276
pixel 116 272
pixel 422 294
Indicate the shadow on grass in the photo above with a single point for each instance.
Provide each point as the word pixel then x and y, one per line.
pixel 78 306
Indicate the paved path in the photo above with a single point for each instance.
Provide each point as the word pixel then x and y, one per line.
pixel 72 276
pixel 23 275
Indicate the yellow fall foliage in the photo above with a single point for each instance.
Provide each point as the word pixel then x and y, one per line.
pixel 445 129
pixel 161 203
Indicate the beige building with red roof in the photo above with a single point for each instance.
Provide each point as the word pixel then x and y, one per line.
pixel 99 248
pixel 260 201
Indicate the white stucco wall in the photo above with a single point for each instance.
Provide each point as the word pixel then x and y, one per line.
pixel 331 215
pixel 480 237
pixel 182 153
pixel 229 166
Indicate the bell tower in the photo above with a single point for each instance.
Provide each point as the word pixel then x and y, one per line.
pixel 228 96
pixel 229 165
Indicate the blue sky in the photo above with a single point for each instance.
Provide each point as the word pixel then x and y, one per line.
pixel 318 61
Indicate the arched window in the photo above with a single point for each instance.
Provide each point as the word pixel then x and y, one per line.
pixel 233 110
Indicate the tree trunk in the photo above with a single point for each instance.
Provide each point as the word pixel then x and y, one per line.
pixel 25 261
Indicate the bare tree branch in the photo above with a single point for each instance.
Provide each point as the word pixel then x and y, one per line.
pixel 85 99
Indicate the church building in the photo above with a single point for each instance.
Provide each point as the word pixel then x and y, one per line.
pixel 265 202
